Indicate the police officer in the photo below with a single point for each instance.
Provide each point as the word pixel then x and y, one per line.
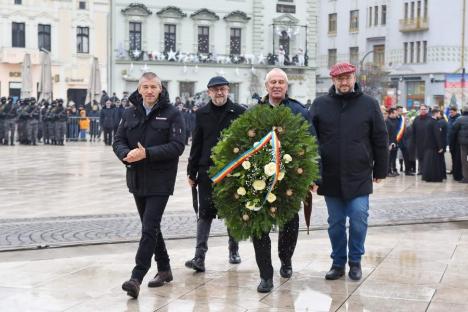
pixel 32 125
pixel 3 103
pixel 45 122
pixel 276 84
pixel 23 116
pixel 149 141
pixel 51 120
pixel 11 114
pixel 210 120
pixel 60 123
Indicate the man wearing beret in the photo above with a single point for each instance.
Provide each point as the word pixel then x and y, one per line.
pixel 210 120
pixel 353 145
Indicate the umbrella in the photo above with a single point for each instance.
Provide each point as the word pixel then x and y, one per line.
pixel 195 199
pixel 26 75
pixel 94 87
pixel 308 209
pixel 45 83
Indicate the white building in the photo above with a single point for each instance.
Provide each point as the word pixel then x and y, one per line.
pixel 416 42
pixel 74 32
pixel 187 42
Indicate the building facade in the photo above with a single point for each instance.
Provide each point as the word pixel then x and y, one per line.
pixel 187 42
pixel 408 51
pixel 72 32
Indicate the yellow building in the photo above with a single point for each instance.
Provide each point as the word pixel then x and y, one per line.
pixel 73 31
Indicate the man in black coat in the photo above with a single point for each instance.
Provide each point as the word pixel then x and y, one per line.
pixel 210 120
pixel 276 84
pixel 353 145
pixel 149 141
pixel 460 133
pixel 433 166
pixel 392 124
pixel 107 121
pixel 419 134
pixel 453 144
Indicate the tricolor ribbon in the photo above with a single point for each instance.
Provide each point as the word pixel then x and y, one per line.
pixel 275 155
pixel 401 129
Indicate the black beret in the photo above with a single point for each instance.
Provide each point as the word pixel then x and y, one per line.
pixel 217 81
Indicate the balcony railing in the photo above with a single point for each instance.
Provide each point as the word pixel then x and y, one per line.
pixel 414 24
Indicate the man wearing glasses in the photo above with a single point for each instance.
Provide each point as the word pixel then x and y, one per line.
pixel 210 120
pixel 353 145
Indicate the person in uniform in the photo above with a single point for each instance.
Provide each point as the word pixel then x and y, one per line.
pixel 11 114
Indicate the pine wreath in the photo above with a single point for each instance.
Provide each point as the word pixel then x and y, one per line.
pixel 243 198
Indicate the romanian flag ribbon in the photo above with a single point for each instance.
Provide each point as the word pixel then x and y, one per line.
pixel 401 129
pixel 275 155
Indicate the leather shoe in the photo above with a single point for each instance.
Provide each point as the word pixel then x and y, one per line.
pixel 160 279
pixel 286 270
pixel 132 287
pixel 335 273
pixel 234 257
pixel 355 272
pixel 265 286
pixel 408 173
pixel 197 264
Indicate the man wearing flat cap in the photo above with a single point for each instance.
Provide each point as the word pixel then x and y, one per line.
pixel 353 147
pixel 210 120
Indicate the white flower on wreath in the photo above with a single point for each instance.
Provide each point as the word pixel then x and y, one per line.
pixel 259 185
pixel 281 175
pixel 287 158
pixel 241 191
pixel 271 197
pixel 251 206
pixel 270 169
pixel 246 165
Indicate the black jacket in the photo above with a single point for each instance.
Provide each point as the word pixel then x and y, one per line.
pixel 353 143
pixel 460 130
pixel 206 134
pixel 392 129
pixel 419 134
pixel 162 133
pixel 107 118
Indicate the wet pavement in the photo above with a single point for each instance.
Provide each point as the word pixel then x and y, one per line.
pixel 76 194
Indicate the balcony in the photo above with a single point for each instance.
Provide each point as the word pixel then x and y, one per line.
pixel 414 24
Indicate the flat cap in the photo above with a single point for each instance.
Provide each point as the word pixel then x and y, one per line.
pixel 217 81
pixel 342 68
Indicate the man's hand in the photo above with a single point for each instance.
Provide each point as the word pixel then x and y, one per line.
pixel 136 154
pixel 314 188
pixel 440 151
pixel 377 180
pixel 191 182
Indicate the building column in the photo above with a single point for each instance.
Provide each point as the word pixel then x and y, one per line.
pixel 258 37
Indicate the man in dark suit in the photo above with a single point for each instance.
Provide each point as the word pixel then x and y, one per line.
pixel 210 120
pixel 149 141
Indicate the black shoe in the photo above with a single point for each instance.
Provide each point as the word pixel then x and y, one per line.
pixel 132 287
pixel 355 272
pixel 197 264
pixel 234 257
pixel 265 286
pixel 161 278
pixel 335 273
pixel 419 173
pixel 391 175
pixel 408 173
pixel 286 270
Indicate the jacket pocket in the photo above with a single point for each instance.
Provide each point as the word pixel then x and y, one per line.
pixel 131 178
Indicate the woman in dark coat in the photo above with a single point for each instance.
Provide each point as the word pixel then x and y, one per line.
pixel 433 168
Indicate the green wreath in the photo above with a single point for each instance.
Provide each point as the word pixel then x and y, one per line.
pixel 243 198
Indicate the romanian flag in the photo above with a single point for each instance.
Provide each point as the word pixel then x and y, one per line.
pixel 401 129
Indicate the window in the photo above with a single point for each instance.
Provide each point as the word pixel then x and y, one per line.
pixel 354 55
pixel 18 35
pixel 284 41
pixel 203 39
pixel 376 15
pixel 332 23
pixel 370 16
pixel 425 8
pixel 418 9
pixel 411 56
pixel 412 10
pixel 379 54
pixel 405 53
pixel 235 42
pixel 354 20
pixel 43 32
pixel 424 51
pixel 82 39
pixel 383 17
pixel 285 8
pixel 331 57
pixel 169 37
pixel 18 2
pixel 82 5
pixel 406 10
pixel 134 36
pixel 418 51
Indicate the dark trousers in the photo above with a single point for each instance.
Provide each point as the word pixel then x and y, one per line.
pixel 464 161
pixel 203 232
pixel 150 209
pixel 108 136
pixel 392 160
pixel 456 162
pixel 406 157
pixel 287 240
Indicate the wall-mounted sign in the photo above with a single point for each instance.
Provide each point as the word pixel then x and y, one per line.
pixel 15 74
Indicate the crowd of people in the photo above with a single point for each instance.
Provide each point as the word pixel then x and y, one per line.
pixel 423 140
